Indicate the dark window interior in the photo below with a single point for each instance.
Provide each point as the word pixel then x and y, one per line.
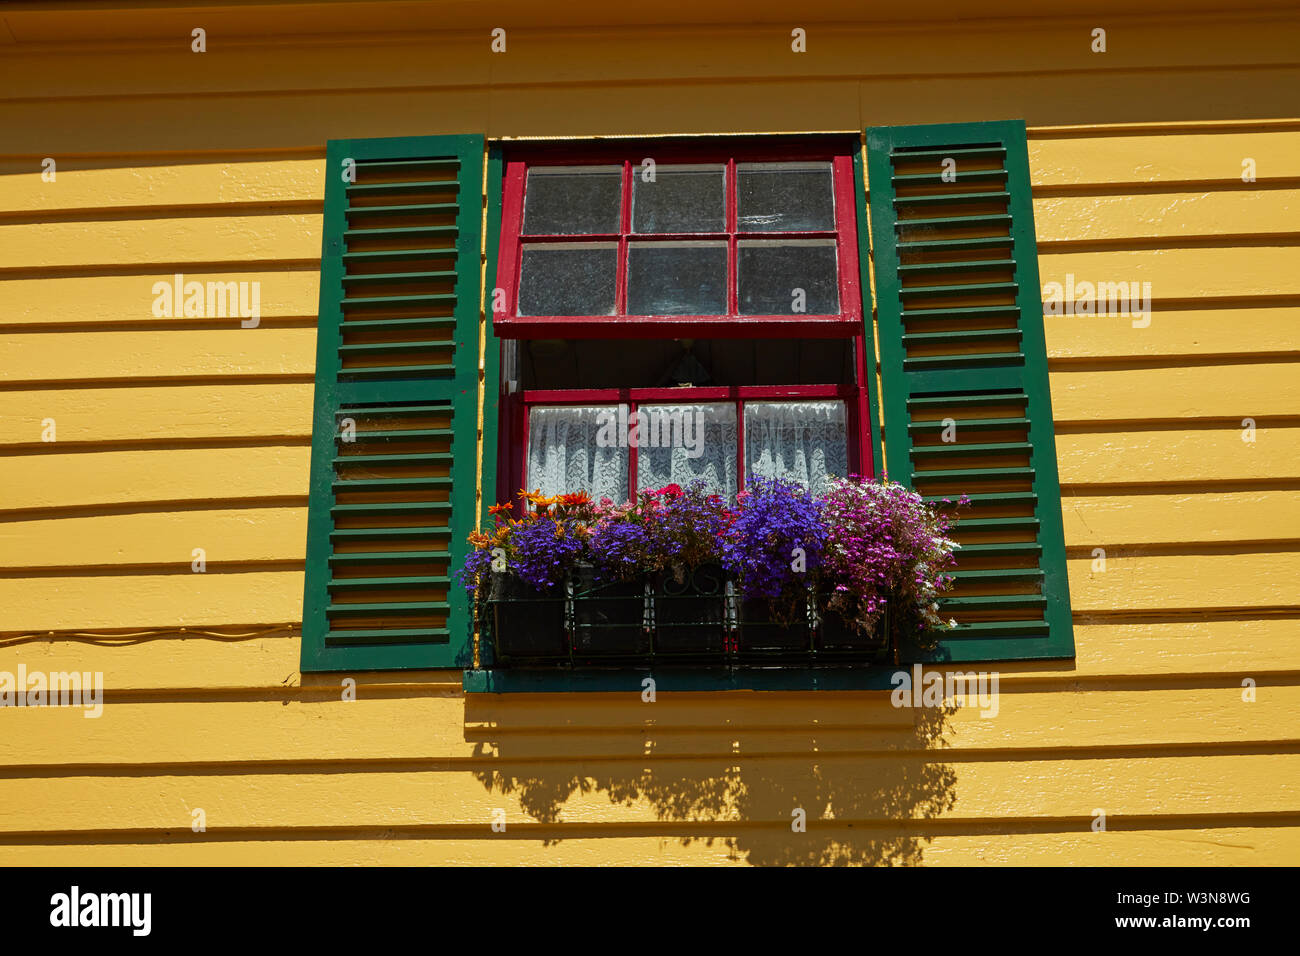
pixel 662 363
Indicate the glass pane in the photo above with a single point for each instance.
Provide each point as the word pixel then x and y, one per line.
pixel 790 277
pixel 679 199
pixel 776 197
pixel 804 442
pixel 572 200
pixel 567 451
pixel 679 444
pixel 677 278
pixel 571 278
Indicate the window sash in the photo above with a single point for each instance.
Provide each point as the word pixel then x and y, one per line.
pixel 845 321
pixel 591 467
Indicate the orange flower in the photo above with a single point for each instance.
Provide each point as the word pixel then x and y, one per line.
pixel 500 509
pixel 479 540
pixel 538 500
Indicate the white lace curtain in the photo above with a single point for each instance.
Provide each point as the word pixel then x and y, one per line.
pixel 565 455
pixel 703 448
pixel 576 448
pixel 798 441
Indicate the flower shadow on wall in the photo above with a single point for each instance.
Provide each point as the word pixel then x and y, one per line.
pixel 868 776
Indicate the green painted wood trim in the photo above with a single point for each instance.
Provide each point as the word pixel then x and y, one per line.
pixel 868 321
pixel 456 386
pixel 491 353
pixel 958 138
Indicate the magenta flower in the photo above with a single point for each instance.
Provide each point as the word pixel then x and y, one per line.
pixel 885 544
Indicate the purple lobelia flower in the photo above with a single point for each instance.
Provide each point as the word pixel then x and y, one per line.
pixel 544 550
pixel 776 542
pixel 620 545
pixel 685 528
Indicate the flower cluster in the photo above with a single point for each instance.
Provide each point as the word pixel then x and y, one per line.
pixel 858 547
pixel 685 527
pixel 540 547
pixel 620 541
pixel 775 542
pixel 884 542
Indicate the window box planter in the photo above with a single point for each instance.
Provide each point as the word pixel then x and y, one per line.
pixel 611 621
pixel 698 617
pixel 761 636
pixel 690 616
pixel 528 626
pixel 700 620
pixel 837 640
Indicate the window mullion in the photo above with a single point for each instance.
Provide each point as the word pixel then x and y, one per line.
pixel 632 464
pixel 624 227
pixel 732 279
pixel 740 445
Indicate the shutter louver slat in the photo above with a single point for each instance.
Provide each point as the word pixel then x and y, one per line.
pixel 962 358
pixel 394 480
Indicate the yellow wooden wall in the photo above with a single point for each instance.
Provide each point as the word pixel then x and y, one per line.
pixel 182 434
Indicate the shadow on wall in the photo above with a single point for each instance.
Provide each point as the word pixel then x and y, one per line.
pixel 862 788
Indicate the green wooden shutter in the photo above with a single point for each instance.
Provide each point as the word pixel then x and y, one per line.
pixel 959 314
pixel 393 470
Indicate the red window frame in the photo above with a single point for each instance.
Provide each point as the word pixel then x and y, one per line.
pixel 856 428
pixel 846 323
